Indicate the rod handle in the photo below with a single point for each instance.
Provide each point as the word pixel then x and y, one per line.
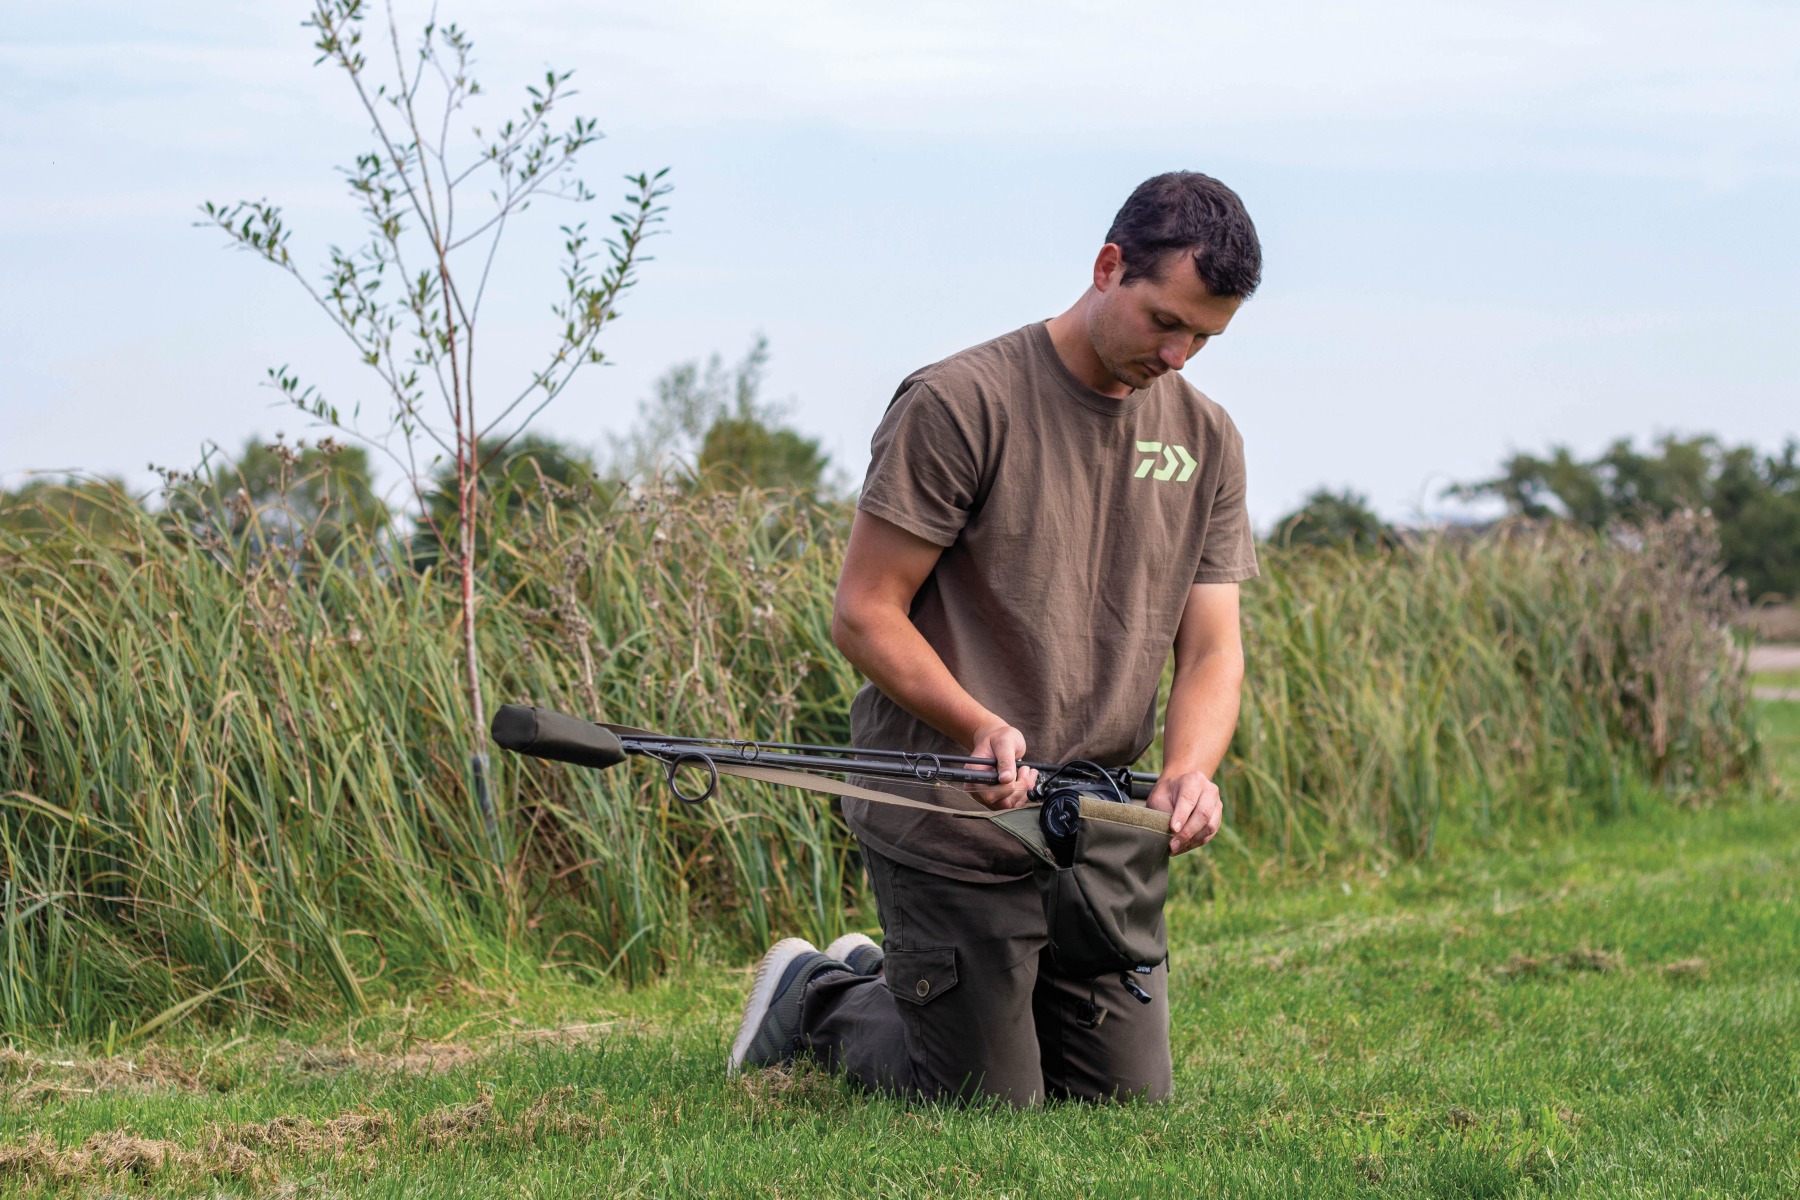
pixel 543 733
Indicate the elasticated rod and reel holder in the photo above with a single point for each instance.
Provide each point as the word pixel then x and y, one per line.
pixel 1102 865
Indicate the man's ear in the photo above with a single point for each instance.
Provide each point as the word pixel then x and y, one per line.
pixel 1109 267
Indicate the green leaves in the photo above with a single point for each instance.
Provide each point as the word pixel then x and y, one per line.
pixel 1330 518
pixel 1755 497
pixel 253 225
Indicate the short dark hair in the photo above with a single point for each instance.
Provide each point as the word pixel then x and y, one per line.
pixel 1185 211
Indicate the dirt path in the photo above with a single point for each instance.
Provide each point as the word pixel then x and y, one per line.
pixel 1774 658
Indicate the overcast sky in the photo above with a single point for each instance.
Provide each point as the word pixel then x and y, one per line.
pixel 1486 226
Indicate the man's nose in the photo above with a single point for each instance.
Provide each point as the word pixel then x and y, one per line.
pixel 1174 355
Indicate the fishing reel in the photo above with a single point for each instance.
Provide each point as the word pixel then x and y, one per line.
pixel 1060 795
pixel 1059 820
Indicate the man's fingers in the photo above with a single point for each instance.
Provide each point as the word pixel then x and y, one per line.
pixel 1186 798
pixel 1005 745
pixel 1013 782
pixel 1209 815
pixel 1215 818
pixel 1009 795
pixel 1194 814
pixel 990 797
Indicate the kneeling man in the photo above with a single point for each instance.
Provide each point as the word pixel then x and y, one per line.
pixel 1045 516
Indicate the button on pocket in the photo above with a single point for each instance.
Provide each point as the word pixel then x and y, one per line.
pixel 920 976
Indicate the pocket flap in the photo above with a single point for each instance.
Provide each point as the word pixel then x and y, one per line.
pixel 920 976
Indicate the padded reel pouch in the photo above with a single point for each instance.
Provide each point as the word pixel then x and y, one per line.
pixel 1103 891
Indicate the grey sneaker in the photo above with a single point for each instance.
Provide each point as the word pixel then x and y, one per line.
pixel 858 952
pixel 769 1034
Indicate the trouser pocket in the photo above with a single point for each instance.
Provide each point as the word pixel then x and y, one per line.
pixel 954 1050
pixel 959 980
pixel 917 977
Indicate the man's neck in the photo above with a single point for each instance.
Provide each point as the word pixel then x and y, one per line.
pixel 1068 333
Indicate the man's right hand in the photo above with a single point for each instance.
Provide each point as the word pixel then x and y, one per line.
pixel 1006 746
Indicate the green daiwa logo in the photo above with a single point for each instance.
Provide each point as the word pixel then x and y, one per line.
pixel 1174 458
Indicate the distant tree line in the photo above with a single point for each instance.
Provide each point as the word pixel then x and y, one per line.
pixel 1755 498
pixel 704 426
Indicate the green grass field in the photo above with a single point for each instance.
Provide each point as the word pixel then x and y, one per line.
pixel 1614 1012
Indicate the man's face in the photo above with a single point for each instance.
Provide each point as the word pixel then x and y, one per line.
pixel 1154 325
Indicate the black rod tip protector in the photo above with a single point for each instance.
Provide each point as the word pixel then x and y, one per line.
pixel 542 733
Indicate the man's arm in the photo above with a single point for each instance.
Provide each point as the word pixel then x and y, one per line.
pixel 883 568
pixel 1202 713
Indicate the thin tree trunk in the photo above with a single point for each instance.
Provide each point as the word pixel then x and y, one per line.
pixel 479 779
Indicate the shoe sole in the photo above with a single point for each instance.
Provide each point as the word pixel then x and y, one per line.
pixel 839 951
pixel 762 992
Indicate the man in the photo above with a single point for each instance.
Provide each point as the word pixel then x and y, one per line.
pixel 1046 515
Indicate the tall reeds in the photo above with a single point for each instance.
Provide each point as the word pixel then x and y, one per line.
pixel 1537 670
pixel 232 781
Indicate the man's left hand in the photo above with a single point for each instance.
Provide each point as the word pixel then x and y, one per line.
pixel 1194 807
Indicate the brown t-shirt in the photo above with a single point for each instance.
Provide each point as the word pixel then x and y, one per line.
pixel 1073 525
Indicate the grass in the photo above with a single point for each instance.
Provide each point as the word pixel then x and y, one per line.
pixel 235 774
pixel 1609 1012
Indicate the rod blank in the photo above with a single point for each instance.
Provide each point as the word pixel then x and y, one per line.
pixel 543 733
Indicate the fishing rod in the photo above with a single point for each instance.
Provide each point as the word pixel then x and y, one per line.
pixel 542 733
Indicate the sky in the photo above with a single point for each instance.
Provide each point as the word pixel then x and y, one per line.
pixel 1486 227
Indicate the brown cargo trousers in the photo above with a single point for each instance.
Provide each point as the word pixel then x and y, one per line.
pixel 968 1004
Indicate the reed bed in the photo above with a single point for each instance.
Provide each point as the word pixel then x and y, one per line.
pixel 233 769
pixel 1537 672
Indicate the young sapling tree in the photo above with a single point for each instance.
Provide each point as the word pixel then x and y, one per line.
pixel 409 298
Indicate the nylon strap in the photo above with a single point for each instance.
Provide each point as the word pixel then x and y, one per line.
pixel 819 783
pixel 1099 810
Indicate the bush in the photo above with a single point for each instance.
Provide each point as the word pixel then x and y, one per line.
pixel 1330 518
